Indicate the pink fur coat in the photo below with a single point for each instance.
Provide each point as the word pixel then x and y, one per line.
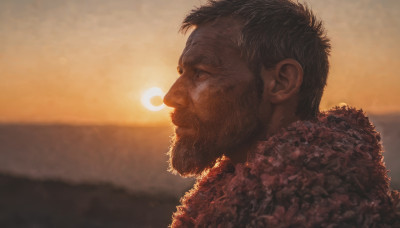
pixel 325 173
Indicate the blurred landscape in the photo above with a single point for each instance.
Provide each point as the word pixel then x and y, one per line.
pixel 105 176
pixel 86 176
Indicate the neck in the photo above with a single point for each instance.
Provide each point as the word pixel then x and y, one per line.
pixel 240 153
pixel 279 119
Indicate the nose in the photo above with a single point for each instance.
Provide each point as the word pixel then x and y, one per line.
pixel 177 94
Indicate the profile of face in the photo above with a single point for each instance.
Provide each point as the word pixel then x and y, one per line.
pixel 215 99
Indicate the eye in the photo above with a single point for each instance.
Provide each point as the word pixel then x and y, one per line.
pixel 201 74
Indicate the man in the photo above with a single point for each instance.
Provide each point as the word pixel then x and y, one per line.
pixel 248 126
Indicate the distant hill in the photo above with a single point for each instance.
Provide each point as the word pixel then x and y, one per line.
pixel 51 203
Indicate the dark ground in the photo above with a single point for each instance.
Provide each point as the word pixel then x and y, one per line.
pixel 27 203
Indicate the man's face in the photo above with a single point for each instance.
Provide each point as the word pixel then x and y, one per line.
pixel 215 99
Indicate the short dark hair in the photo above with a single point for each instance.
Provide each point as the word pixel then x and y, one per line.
pixel 274 30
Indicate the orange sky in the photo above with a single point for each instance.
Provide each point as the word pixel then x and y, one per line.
pixel 89 61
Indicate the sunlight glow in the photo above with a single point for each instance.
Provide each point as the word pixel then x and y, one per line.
pixel 147 97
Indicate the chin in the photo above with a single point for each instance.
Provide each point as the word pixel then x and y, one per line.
pixel 190 156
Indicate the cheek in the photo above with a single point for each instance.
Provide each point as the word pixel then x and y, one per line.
pixel 201 96
pixel 200 92
pixel 212 99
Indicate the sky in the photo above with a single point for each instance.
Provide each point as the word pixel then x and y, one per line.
pixel 89 61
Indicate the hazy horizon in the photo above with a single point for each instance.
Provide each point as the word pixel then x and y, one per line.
pixel 395 115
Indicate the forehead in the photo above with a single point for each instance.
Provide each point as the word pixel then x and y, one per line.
pixel 218 38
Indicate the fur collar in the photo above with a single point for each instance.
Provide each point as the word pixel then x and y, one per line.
pixel 323 173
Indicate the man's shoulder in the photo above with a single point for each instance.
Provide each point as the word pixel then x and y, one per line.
pixel 342 142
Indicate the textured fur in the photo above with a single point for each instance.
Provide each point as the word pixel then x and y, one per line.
pixel 324 173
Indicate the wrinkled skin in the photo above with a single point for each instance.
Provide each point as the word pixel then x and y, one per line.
pixel 215 99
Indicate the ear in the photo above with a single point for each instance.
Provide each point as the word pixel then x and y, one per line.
pixel 283 81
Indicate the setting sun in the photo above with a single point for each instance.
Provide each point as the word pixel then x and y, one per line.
pixel 151 96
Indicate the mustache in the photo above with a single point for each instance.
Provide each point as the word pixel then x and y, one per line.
pixel 185 118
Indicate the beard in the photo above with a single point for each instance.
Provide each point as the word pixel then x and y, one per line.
pixel 233 123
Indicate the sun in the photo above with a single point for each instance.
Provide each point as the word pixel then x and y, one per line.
pixel 149 95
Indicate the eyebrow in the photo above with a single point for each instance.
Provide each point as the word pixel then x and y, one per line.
pixel 203 59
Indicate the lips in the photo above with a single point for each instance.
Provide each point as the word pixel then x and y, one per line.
pixel 184 121
pixel 180 124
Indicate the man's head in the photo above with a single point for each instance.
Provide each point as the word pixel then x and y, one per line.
pixel 247 66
